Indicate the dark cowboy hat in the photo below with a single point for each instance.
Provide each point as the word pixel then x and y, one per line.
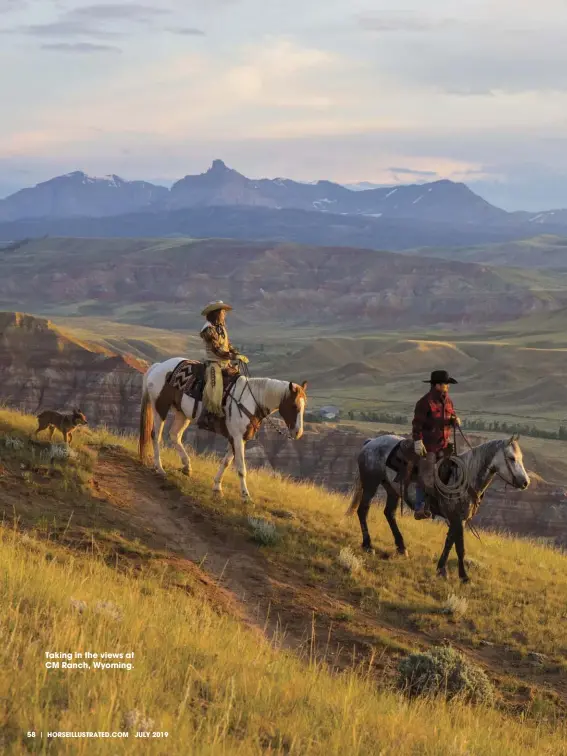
pixel 440 376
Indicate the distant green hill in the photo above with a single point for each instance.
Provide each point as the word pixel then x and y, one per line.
pixel 547 252
pixel 164 283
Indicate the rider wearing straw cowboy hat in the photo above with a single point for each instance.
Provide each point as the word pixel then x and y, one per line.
pixel 431 430
pixel 219 355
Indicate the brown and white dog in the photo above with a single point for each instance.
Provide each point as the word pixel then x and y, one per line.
pixel 65 422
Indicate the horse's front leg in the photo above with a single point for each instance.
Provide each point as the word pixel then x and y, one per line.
pixel 238 444
pixel 449 541
pixel 460 546
pixel 225 464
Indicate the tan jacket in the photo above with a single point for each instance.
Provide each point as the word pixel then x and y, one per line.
pixel 217 344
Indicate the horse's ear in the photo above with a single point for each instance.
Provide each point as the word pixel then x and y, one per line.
pixel 304 385
pixel 291 388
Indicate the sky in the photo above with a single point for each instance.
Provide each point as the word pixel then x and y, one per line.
pixel 345 90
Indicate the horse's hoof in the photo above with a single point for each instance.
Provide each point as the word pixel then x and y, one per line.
pixel 186 471
pixel 466 579
pixel 368 548
pixel 403 553
pixel 442 573
pixel 161 473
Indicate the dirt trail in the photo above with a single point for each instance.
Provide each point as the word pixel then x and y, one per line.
pixel 272 597
pixel 188 530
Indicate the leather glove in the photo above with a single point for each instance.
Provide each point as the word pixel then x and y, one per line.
pixel 456 421
pixel 419 448
pixel 242 358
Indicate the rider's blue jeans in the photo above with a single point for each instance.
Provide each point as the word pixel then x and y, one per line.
pixel 419 498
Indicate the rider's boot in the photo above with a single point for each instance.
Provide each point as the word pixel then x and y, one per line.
pixel 208 421
pixel 421 512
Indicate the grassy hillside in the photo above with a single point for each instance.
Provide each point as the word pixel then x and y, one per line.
pixel 513 372
pixel 546 252
pixel 100 554
pixel 165 283
pixel 289 225
pixel 499 377
pixel 150 344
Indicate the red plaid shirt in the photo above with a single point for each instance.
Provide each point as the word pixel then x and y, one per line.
pixel 433 420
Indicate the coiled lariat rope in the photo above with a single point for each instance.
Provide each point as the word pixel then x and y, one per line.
pixel 459 487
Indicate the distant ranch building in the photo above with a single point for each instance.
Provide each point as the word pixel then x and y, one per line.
pixel 327 413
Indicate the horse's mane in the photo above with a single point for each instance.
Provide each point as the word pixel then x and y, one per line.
pixel 478 459
pixel 268 391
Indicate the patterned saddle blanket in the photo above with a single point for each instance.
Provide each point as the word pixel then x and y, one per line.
pixel 189 378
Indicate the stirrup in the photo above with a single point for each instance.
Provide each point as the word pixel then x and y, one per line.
pixel 205 420
pixel 422 514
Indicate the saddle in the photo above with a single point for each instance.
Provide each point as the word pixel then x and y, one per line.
pixel 189 378
pixel 403 460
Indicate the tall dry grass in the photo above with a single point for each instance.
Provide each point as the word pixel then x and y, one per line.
pixel 213 685
pixel 218 687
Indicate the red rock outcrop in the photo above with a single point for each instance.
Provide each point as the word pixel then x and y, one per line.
pixel 42 367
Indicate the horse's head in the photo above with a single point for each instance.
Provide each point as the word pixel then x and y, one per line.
pixel 78 417
pixel 509 463
pixel 292 407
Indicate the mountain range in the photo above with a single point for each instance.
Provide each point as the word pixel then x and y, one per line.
pixel 223 203
pixel 78 195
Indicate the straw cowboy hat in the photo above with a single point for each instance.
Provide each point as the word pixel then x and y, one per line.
pixel 440 376
pixel 213 306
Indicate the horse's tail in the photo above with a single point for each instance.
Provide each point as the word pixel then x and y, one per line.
pixel 357 491
pixel 146 422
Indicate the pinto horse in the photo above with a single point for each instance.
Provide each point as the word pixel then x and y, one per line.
pixel 482 464
pixel 249 402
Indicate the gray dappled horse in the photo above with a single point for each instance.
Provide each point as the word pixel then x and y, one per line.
pixel 483 463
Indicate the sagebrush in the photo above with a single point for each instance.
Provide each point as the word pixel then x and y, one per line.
pixel 443 671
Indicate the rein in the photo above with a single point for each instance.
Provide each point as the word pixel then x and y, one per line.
pixel 508 465
pixel 263 414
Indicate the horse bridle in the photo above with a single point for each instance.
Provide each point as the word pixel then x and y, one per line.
pixel 508 463
pixel 507 482
pixel 264 415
